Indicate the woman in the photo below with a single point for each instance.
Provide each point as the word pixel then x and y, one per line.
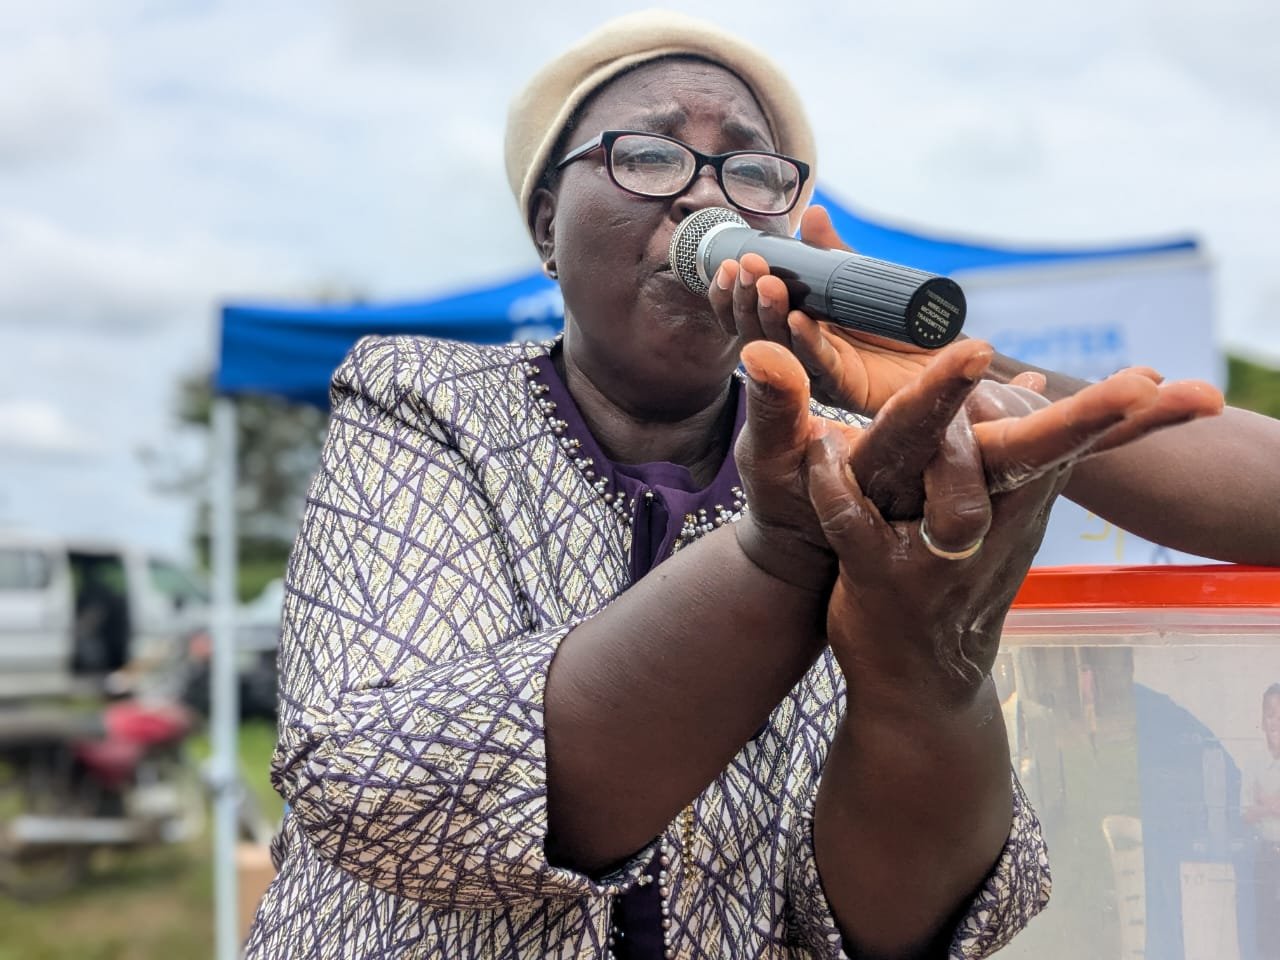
pixel 501 738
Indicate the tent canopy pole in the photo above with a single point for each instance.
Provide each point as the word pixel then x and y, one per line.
pixel 224 709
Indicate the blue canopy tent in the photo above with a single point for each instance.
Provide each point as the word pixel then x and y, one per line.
pixel 291 351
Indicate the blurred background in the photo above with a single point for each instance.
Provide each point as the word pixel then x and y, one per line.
pixel 159 158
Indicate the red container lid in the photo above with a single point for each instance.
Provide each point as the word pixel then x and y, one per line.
pixel 1207 585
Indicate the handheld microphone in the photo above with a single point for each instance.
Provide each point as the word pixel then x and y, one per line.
pixel 860 293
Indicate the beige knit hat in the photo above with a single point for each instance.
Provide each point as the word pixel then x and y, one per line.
pixel 539 113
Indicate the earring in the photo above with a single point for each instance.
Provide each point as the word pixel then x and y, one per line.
pixel 548 268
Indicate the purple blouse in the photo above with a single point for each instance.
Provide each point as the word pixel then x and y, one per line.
pixel 667 500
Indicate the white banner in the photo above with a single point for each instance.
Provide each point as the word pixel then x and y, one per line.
pixel 1088 320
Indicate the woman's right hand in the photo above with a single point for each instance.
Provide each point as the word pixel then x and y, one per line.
pixel 848 369
pixel 857 371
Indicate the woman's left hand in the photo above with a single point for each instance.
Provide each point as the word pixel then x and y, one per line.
pixel 905 621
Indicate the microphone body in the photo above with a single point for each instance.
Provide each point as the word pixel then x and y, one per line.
pixel 853 291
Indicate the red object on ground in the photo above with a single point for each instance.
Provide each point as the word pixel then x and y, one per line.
pixel 110 762
pixel 131 729
pixel 149 725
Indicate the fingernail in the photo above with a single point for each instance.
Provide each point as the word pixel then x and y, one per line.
pixel 764 301
pixel 745 276
pixel 722 278
pixel 976 365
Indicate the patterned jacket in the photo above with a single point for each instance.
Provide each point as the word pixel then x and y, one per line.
pixel 450 542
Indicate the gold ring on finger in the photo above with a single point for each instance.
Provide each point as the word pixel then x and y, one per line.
pixel 937 551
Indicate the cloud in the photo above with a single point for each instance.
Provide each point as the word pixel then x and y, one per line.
pixel 60 278
pixel 56 100
pixel 159 156
pixel 436 36
pixel 37 428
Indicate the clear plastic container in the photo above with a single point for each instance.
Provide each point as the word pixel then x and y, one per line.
pixel 1135 699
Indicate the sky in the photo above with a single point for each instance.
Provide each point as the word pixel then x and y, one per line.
pixel 159 157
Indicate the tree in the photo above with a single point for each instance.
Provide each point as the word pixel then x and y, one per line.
pixel 278 450
pixel 1253 386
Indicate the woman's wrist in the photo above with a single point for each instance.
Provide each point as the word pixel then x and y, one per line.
pixel 786 555
pixel 906 714
pixel 912 680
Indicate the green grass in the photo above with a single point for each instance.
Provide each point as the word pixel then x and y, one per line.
pixel 134 906
pixel 154 904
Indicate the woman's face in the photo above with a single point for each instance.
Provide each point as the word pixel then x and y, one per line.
pixel 630 325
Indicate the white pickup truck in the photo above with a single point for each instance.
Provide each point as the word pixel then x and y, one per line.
pixel 73 612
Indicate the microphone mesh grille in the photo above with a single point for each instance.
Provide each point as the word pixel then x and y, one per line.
pixel 683 252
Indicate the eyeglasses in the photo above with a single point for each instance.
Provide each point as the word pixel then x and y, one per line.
pixel 652 165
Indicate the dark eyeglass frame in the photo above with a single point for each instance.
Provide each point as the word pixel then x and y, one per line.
pixel 607 138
